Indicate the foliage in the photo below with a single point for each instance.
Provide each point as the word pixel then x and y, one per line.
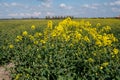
pixel 71 50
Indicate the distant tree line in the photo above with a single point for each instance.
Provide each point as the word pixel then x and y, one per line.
pixel 58 17
pixel 61 17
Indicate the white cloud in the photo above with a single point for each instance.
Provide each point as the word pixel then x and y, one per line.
pixel 115 3
pixel 13 4
pixel 62 5
pixel 34 14
pixel 43 0
pixel 105 4
pixel 13 14
pixel 50 13
pixel 46 3
pixel 5 4
pixel 86 6
pixel 93 6
pixel 96 4
pixel 114 9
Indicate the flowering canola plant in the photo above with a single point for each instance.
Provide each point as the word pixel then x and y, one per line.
pixel 71 49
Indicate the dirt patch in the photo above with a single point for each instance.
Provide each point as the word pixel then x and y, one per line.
pixel 5 71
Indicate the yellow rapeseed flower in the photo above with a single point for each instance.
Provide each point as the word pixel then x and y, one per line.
pixel 106 40
pixel 101 67
pixel 36 35
pixel 31 37
pixel 33 27
pixel 113 56
pixel 68 19
pixel 98 24
pixel 35 42
pixel 11 46
pixel 99 37
pixel 17 76
pixel 106 28
pixel 105 64
pixel 42 41
pixel 90 60
pixel 50 24
pixel 19 37
pixel 94 54
pixel 54 33
pixel 25 33
pixel 78 35
pixel 115 51
pixel 17 40
pixel 67 38
pixel 86 39
pixel 53 45
pixel 113 38
pixel 87 24
pixel 59 28
pixel 71 45
pixel 40 34
pixel 98 42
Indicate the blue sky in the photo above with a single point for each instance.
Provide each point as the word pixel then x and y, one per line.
pixel 42 8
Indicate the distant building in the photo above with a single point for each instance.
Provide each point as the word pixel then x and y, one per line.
pixel 118 17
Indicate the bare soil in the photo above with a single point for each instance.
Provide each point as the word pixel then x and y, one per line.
pixel 5 71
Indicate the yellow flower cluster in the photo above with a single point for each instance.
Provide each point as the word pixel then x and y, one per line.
pixel 11 46
pixel 86 39
pixel 25 33
pixel 33 27
pixel 31 38
pixel 105 40
pixel 37 34
pixel 71 33
pixel 90 60
pixel 17 76
pixel 115 51
pixel 80 31
pixel 98 24
pixel 18 39
pixel 103 65
pixel 50 24
pixel 35 38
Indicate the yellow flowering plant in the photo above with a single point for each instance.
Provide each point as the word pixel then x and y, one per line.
pixel 70 50
pixel 25 33
pixel 11 46
pixel 33 27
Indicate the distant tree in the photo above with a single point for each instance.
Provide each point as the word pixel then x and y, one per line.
pixel 47 17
